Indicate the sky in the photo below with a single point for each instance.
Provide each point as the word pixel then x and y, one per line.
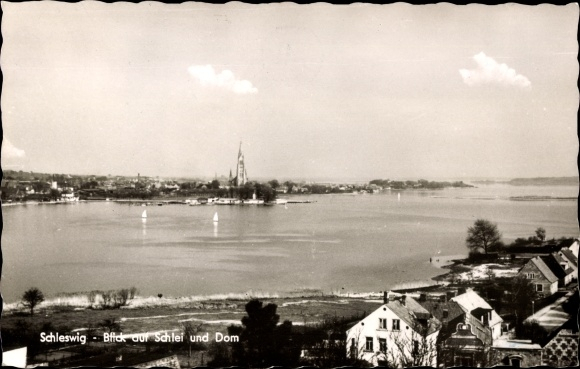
pixel 312 91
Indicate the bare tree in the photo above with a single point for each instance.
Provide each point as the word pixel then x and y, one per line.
pixel 189 331
pixel 483 235
pixel 132 292
pixel 107 296
pixel 490 273
pixel 31 298
pixel 121 297
pixel 406 351
pixel 110 324
pixel 520 295
pixel 92 296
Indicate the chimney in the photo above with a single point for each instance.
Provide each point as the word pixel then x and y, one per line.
pixel 385 297
pixel 403 300
pixel 423 297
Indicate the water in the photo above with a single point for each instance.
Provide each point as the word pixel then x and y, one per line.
pixel 339 243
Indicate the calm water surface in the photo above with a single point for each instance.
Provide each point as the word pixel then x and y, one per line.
pixel 355 242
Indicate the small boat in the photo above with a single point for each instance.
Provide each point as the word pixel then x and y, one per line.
pixel 215 217
pixel 399 196
pixel 144 214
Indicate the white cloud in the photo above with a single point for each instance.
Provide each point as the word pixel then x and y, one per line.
pixel 489 71
pixel 207 76
pixel 9 151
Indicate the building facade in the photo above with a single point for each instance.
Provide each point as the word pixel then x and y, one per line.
pixel 399 334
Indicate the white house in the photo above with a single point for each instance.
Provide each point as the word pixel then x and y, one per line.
pixel 574 247
pixel 15 357
pixel 399 334
pixel 473 304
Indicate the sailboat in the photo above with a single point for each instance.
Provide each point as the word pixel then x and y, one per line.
pixel 144 215
pixel 399 196
pixel 215 217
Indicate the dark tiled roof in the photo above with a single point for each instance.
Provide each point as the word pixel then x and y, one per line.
pixel 437 308
pixel 411 313
pixel 561 261
pixel 554 266
pixel 570 256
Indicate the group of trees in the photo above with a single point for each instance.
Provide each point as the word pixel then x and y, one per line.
pixel 420 184
pixel 113 299
pixel 485 236
pixel 262 341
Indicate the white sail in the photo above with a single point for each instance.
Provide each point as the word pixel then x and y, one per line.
pixel 144 215
pixel 399 196
pixel 215 217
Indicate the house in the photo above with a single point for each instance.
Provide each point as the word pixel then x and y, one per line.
pixel 562 349
pixel 574 247
pixel 464 348
pixel 518 353
pixel 15 357
pixel 449 313
pixel 541 276
pixel 468 323
pixel 400 333
pixel 566 267
pixel 478 309
pixel 571 259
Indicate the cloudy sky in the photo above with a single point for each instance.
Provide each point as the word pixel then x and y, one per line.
pixel 318 91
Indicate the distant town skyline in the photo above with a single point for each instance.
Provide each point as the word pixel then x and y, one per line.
pixel 312 91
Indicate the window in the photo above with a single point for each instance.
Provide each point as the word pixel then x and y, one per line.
pixel 382 344
pixel 530 275
pixel 369 344
pixel 382 323
pixel 415 347
pixel 396 324
pixel 539 288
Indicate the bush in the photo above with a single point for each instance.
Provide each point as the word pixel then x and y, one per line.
pixel 478 258
pixel 531 330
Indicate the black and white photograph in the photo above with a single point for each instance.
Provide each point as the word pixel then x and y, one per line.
pixel 284 185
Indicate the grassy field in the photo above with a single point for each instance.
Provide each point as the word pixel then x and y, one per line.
pixel 213 315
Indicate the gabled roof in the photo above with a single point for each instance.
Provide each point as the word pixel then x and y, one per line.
pixel 436 308
pixel 554 266
pixel 561 260
pixel 544 269
pixel 470 301
pixel 569 255
pixel 412 312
